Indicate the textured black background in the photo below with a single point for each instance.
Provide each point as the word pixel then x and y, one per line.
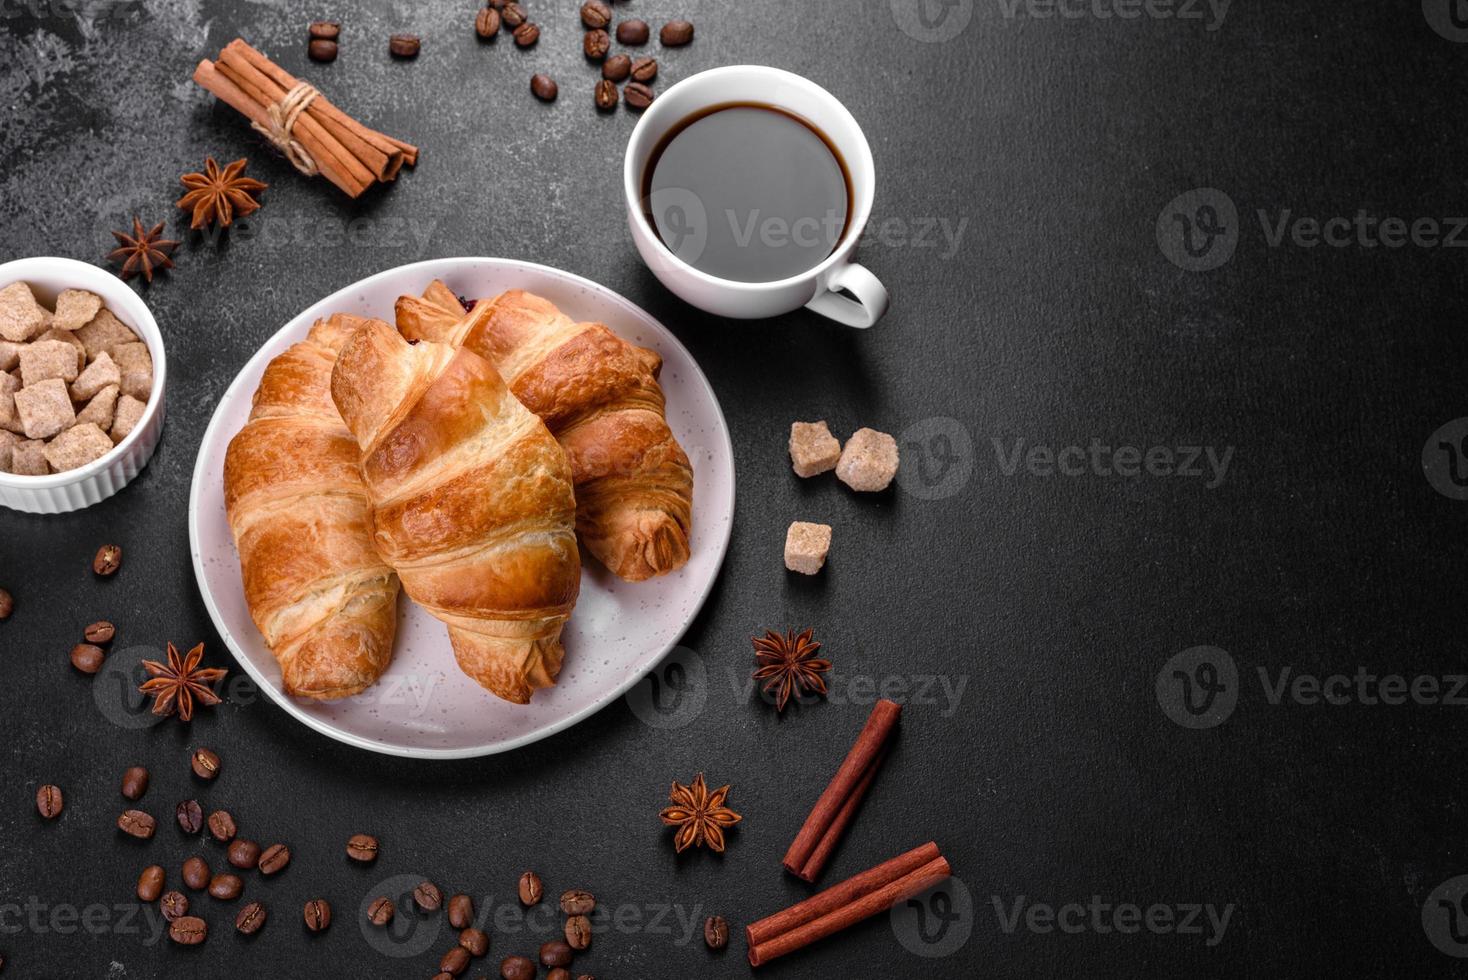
pixel 1055 601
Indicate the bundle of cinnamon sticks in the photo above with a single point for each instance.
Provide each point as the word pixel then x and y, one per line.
pixel 315 135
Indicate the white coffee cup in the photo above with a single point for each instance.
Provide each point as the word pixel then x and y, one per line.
pixel 818 288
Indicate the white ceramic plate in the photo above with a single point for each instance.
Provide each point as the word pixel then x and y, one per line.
pixel 424 706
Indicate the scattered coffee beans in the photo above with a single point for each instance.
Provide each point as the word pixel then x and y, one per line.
pixel 87 658
pixel 381 911
pixel 716 932
pixel 7 604
pixel 321 50
pixel 196 873
pixel 188 931
pixel 644 69
pixel 251 919
pixel 150 883
pixel 362 847
pixel 676 33
pixel 526 35
pixel 638 96
pixel 487 22
pixel 49 802
pixel 174 905
pixel 108 560
pixel 137 824
pixel 325 30
pixel 243 854
pixel 606 95
pixel 517 968
pixel 318 914
pixel 596 44
pixel 513 15
pixel 578 902
pixel 476 941
pixel 617 67
pixel 404 45
pixel 190 816
pixel 99 632
pixel 557 952
pixel 530 888
pixel 544 88
pixel 595 14
pixel 205 763
pixel 226 887
pixel 632 32
pixel 135 782
pixel 461 911
pixel 273 859
pixel 428 897
pixel 455 961
pixel 578 932
pixel 221 826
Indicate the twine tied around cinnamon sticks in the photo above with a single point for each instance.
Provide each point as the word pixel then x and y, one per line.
pixel 282 120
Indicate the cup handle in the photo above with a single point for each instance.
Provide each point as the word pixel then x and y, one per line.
pixel 862 312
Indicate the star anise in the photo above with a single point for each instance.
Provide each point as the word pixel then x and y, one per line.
pixel 176 685
pixel 788 665
pixel 142 251
pixel 699 815
pixel 220 194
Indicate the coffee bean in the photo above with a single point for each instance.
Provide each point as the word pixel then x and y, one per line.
pixel 595 14
pixel 443 976
pixel 7 604
pixel 251 919
pixel 196 873
pixel 381 911
pixel 134 782
pixel 205 763
pixel 544 88
pixel 644 69
pixel 87 658
pixel 317 914
pixel 137 824
pixel 559 973
pixel 526 35
pixel 273 859
pixel 190 816
pixel 476 941
pixel 455 961
pixel 606 95
pixel 461 911
pixel 586 976
pixel 632 32
pixel 174 905
pixel 108 560
pixel 517 968
pixel 243 854
pixel 716 932
pixel 49 801
pixel 321 50
pixel 530 888
pixel 226 887
pixel 617 67
pixel 428 897
pixel 188 931
pixel 577 902
pixel 578 932
pixel 150 883
pixel 221 826
pixel 99 632
pixel 325 30
pixel 362 847
pixel 498 4
pixel 557 952
pixel 513 15
pixel 487 22
pixel 638 96
pixel 596 44
pixel 676 33
pixel 404 45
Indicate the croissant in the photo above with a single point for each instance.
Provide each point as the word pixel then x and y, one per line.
pixel 600 397
pixel 325 603
pixel 472 502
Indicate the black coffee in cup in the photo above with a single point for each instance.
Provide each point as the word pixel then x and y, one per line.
pixel 747 192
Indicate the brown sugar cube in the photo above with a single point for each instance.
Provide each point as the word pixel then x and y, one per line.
pixel 136 365
pixel 104 331
pixel 21 317
pixel 45 360
pixel 45 408
pixel 9 417
pixel 75 309
pixel 100 410
pixel 98 375
pixel 806 546
pixel 813 449
pixel 9 355
pixel 28 458
pixel 8 440
pixel 869 461
pixel 129 410
pixel 66 336
pixel 77 446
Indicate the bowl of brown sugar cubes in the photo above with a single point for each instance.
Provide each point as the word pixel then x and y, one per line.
pixel 81 385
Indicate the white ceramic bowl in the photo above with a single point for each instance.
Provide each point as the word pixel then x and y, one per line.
pixel 84 486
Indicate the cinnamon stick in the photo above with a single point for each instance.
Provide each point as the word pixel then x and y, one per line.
pixel 824 814
pixel 824 902
pixel 816 863
pixel 865 907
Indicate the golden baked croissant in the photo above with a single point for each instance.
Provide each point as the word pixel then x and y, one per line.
pixel 600 397
pixel 471 502
pixel 324 601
